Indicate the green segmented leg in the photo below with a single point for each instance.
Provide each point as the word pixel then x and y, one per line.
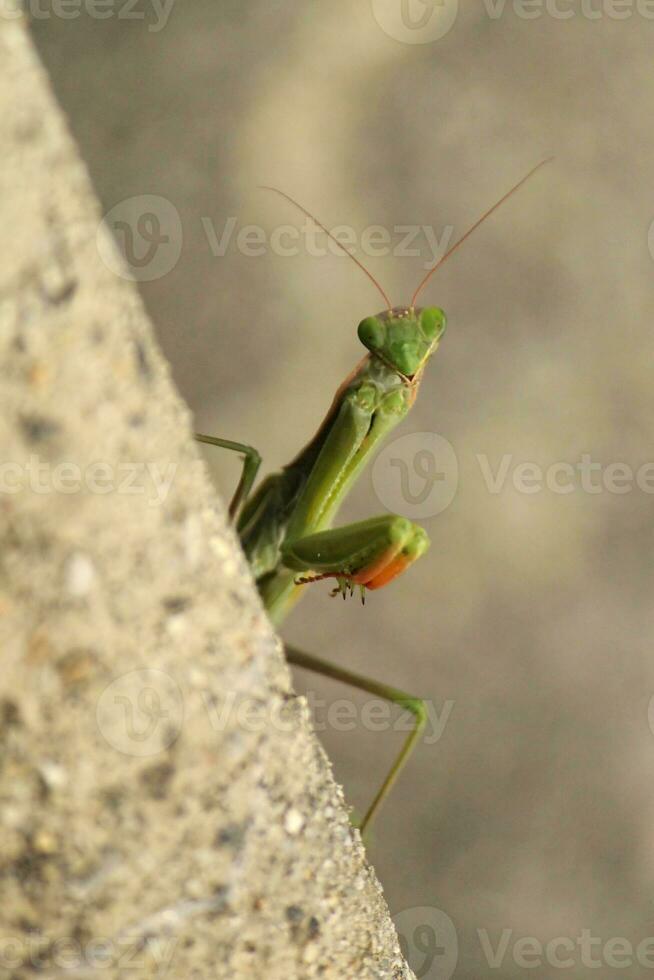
pixel 251 464
pixel 369 553
pixel 403 700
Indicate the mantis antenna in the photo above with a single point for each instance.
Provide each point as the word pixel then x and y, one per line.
pixel 308 214
pixel 487 214
pixel 423 282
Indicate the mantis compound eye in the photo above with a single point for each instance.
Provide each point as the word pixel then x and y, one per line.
pixel 433 322
pixel 372 333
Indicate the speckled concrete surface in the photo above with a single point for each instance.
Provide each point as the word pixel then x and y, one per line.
pixel 164 807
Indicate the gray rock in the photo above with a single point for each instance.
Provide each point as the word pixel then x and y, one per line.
pixel 164 801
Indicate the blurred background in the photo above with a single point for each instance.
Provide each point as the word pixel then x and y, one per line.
pixel 528 626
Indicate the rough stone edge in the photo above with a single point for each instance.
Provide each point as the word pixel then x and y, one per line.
pixel 228 847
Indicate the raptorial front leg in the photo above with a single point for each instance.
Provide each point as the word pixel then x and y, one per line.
pixel 400 698
pixel 369 553
pixel 251 464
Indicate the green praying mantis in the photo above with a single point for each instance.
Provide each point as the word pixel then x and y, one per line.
pixel 285 525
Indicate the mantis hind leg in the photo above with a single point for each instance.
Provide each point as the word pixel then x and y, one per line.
pixel 403 700
pixel 251 464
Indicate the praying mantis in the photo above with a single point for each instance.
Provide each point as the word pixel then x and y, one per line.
pixel 285 525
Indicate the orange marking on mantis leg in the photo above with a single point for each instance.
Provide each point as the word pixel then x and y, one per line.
pixel 369 572
pixel 391 571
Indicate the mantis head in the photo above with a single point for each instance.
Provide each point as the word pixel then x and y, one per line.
pixel 404 337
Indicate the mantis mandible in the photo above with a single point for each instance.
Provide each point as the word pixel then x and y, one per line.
pixel 285 525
